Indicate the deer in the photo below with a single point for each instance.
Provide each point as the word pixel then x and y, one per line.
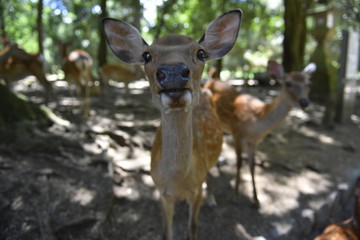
pixel 348 229
pixel 16 64
pixel 119 73
pixel 189 140
pixel 249 120
pixel 77 69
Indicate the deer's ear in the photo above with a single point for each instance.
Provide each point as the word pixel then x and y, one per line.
pixel 124 40
pixel 276 70
pixel 221 34
pixel 310 68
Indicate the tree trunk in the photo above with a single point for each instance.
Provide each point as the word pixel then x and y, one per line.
pixel 40 27
pixel 138 13
pixel 102 51
pixel 294 35
pixel 2 21
pixel 218 67
pixel 160 21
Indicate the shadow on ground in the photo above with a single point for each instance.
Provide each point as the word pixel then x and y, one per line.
pixel 90 180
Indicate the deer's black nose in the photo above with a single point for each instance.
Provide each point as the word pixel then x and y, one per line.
pixel 303 102
pixel 172 77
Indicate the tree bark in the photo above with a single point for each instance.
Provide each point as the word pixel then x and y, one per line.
pixel 2 21
pixel 218 67
pixel 160 21
pixel 137 8
pixel 294 35
pixel 102 50
pixel 40 27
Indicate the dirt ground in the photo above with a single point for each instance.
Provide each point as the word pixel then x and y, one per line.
pixel 90 180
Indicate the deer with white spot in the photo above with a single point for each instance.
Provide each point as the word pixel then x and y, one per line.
pixel 249 120
pixel 188 142
pixel 77 68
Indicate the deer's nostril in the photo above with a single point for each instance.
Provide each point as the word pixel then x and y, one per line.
pixel 173 76
pixel 160 75
pixel 185 72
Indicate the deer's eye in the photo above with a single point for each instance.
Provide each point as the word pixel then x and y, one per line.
pixel 288 84
pixel 201 55
pixel 147 57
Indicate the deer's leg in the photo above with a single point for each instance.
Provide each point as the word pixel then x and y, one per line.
pixel 208 196
pixel 87 94
pixel 7 83
pixel 36 69
pixel 194 205
pixel 105 86
pixel 127 90
pixel 47 86
pixel 238 150
pixel 168 212
pixel 251 156
pixel 75 85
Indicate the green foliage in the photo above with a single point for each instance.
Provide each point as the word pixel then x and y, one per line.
pixel 77 23
pixel 20 19
pixel 349 12
pixel 260 34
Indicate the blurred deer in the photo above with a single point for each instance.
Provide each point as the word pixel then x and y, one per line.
pixel 188 142
pixel 77 68
pixel 16 63
pixel 249 120
pixel 119 73
pixel 348 229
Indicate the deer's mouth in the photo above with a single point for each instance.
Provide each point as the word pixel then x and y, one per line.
pixel 176 98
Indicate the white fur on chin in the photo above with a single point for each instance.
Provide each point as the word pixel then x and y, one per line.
pixel 166 101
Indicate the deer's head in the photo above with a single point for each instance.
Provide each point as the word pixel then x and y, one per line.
pixel 296 85
pixel 174 63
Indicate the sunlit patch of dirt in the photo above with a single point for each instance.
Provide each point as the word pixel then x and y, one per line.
pixel 91 180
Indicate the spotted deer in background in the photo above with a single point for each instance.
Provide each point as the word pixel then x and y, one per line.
pixel 249 120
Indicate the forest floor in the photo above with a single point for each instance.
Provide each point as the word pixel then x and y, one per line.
pixel 90 180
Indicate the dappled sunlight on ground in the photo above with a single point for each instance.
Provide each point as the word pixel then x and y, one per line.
pixel 243 234
pixel 83 196
pixel 312 183
pixel 299 114
pixel 321 137
pixel 140 84
pixel 355 119
pixel 91 180
pixel 283 196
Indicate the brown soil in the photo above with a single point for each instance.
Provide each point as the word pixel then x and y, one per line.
pixel 90 180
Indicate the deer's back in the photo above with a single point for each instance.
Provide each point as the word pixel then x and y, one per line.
pixel 117 72
pixel 223 96
pixel 16 64
pixel 338 231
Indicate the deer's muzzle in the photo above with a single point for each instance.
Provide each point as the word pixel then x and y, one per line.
pixel 303 102
pixel 173 76
pixel 173 80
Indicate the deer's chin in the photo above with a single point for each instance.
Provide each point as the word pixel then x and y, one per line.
pixel 176 98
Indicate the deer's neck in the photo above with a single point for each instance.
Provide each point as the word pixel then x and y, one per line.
pixel 275 112
pixel 176 141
